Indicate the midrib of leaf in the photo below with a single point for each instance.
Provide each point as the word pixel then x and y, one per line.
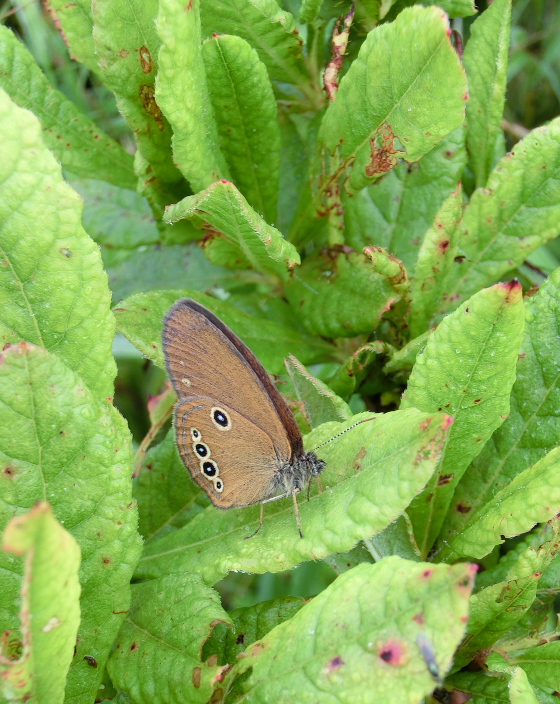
pixel 151 636
pixel 289 508
pixel 34 416
pixel 248 150
pixel 519 437
pixel 355 637
pixel 168 521
pixel 240 239
pixel 352 156
pixel 475 262
pixel 450 434
pixel 296 78
pixel 505 608
pixel 24 296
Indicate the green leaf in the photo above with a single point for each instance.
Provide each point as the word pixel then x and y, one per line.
pixel 485 60
pixel 246 116
pixel 416 97
pixel 237 236
pixel 319 403
pixel 542 664
pixel 396 539
pixel 484 689
pixel 50 611
pixel 74 20
pixel 140 319
pixel 520 691
pixel 467 370
pixel 373 471
pixel 116 218
pixel 327 291
pixel 182 94
pixel 309 10
pixel 169 621
pixel 293 169
pixel 53 291
pixel 352 373
pixel 396 211
pixel 127 45
pixel 532 497
pixel 249 624
pixel 155 267
pixel 516 213
pixel 348 646
pixel 73 138
pixel 167 498
pixel 59 443
pixel 435 262
pixel 267 28
pixel 533 425
pixel 402 361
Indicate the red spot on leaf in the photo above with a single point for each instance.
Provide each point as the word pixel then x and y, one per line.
pixel 419 618
pixel 392 653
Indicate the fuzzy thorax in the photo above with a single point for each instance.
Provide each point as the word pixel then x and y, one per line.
pixel 295 476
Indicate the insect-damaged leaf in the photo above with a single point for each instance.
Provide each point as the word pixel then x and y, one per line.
pixel 392 93
pixel 393 625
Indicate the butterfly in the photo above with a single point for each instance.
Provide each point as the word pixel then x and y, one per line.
pixel 234 431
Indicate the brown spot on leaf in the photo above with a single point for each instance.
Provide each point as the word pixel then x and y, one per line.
pixel 240 639
pixel 133 646
pixel 445 479
pixel 196 676
pixel 383 152
pixel 9 471
pixel 148 100
pixel 91 661
pixel 361 454
pixel 146 60
pixel 462 508
pixel 419 618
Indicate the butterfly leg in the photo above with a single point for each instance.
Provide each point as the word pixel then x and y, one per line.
pixel 296 508
pixel 260 524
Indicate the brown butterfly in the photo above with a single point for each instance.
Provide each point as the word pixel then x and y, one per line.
pixel 235 433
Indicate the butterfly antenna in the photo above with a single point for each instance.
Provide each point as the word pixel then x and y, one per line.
pixel 334 437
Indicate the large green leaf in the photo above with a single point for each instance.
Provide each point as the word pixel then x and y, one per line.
pixel 140 319
pixel 246 115
pixel 396 211
pixel 168 623
pixel 72 137
pixel 467 369
pixel 485 689
pixel 327 291
pixel 167 498
pixel 237 236
pixel 53 290
pixel 533 426
pixel 58 443
pixel 517 212
pixel 435 261
pixel 391 93
pixel 373 472
pixel 127 46
pixel 532 497
pixel 485 61
pixel 378 633
pixel 268 29
pixel 74 19
pixel 182 94
pixel 50 611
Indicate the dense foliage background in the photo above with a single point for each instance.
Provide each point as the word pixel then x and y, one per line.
pixel 399 255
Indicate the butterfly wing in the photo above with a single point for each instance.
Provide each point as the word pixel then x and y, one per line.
pixel 208 363
pixel 233 460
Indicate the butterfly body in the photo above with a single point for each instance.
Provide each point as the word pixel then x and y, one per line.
pixel 234 431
